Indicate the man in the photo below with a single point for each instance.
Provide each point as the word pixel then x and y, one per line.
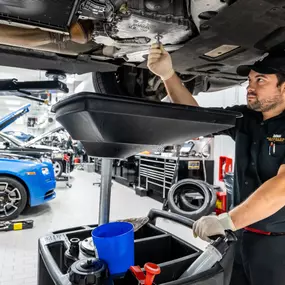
pixel 259 188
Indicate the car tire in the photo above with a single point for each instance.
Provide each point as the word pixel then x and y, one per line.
pixel 19 191
pixel 58 168
pixel 107 83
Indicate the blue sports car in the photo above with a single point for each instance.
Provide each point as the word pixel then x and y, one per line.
pixel 24 181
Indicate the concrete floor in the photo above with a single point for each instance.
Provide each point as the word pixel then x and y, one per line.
pixel 72 207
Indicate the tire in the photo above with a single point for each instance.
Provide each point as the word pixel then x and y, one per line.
pixel 18 191
pixel 58 168
pixel 106 83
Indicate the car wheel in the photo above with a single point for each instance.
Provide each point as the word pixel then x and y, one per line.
pixel 106 83
pixel 58 168
pixel 141 83
pixel 13 198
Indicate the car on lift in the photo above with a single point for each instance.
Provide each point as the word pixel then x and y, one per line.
pixel 24 181
pixel 10 144
pixel 208 39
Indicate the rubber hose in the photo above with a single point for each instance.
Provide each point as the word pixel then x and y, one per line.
pixel 189 210
pixel 186 205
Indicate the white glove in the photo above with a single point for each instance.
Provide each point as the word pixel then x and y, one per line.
pixel 209 226
pixel 159 62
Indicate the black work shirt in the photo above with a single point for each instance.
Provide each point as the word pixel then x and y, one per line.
pixel 260 151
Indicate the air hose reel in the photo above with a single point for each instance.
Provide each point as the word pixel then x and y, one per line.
pixel 192 198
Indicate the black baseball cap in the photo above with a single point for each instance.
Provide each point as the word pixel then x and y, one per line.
pixel 270 64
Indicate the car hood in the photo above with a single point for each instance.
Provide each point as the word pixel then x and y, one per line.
pixel 44 147
pixel 38 138
pixel 13 156
pixel 13 116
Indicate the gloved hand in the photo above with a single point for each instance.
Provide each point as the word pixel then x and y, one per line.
pixel 159 62
pixel 209 226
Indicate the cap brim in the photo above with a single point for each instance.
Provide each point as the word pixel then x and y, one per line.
pixel 244 70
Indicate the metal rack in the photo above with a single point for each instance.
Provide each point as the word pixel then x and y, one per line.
pixel 156 171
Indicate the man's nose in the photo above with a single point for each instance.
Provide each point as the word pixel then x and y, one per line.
pixel 250 88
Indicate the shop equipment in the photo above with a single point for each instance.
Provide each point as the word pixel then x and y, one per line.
pixel 31 89
pixel 16 225
pixel 118 127
pixel 156 174
pixel 67 157
pixel 60 250
pixel 137 275
pixel 192 198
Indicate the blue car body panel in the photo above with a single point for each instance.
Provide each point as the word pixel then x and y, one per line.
pixel 29 170
pixel 13 116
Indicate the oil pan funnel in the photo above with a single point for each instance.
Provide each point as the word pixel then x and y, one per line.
pixel 118 127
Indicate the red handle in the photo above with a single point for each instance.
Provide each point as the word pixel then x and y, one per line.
pixel 138 273
pixel 151 270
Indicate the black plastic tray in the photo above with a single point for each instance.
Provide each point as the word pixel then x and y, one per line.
pixel 118 127
pixel 152 244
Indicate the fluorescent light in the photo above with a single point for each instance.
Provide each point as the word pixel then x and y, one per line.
pixel 12 102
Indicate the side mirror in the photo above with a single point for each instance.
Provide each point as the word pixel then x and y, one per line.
pixel 6 144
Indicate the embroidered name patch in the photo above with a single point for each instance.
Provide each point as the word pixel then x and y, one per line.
pixel 276 138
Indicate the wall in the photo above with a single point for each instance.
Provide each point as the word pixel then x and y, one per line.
pixel 223 145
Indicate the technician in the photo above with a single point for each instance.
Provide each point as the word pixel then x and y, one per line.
pixel 259 184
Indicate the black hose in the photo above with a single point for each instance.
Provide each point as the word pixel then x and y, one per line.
pixel 202 199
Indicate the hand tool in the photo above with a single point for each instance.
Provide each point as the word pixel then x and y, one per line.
pixel 158 38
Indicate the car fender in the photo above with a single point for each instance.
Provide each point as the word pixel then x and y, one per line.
pixel 19 170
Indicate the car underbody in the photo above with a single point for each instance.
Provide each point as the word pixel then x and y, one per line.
pixel 208 39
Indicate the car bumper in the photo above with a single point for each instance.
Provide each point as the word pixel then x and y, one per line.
pixel 42 192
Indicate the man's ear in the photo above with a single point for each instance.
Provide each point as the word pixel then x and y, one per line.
pixel 282 88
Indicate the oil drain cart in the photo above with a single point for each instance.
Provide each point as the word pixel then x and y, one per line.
pixel 115 127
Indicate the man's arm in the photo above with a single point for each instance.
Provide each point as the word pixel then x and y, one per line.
pixel 178 93
pixel 264 202
pixel 160 63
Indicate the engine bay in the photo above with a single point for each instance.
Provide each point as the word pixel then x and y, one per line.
pixel 104 29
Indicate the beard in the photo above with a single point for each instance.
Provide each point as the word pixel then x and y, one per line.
pixel 265 105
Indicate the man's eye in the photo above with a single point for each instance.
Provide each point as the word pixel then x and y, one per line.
pixel 260 79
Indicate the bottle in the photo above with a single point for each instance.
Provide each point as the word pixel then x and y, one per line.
pixel 214 253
